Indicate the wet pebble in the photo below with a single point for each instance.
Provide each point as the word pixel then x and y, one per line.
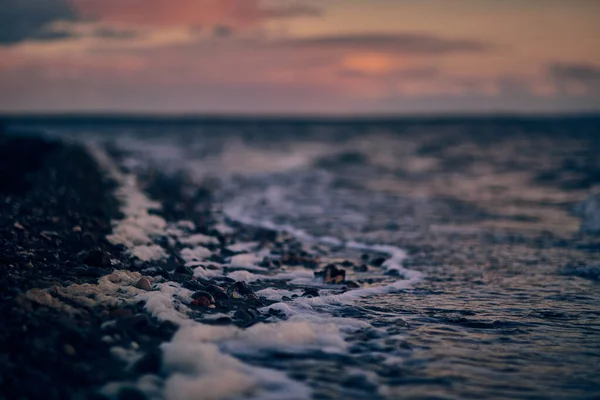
pixel 239 290
pixel 312 292
pixel 150 363
pixel 377 262
pixel 217 291
pixel 201 302
pixel 182 269
pixel 69 350
pixel 242 315
pixel 121 313
pixel 193 284
pixel 199 294
pixel 332 274
pixel 96 258
pixel 144 284
pixel 361 268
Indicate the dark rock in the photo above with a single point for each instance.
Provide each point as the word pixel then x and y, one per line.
pixel 377 262
pixel 93 272
pixel 351 284
pixel 201 302
pixel 168 327
pixel 239 290
pixel 96 258
pixel 347 263
pixel 361 268
pixel 199 294
pixel 311 292
pixel 193 284
pixel 332 274
pixel 217 291
pixel 285 298
pixel 121 313
pixel 140 320
pixel 242 315
pixel 150 363
pixel 223 321
pixel 182 269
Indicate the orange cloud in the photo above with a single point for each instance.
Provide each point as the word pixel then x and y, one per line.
pixel 369 63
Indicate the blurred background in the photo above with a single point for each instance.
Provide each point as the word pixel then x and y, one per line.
pixel 299 57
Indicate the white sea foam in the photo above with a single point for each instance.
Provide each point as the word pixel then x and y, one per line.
pixel 200 361
pixel 198 239
pixel 139 225
pixel 198 253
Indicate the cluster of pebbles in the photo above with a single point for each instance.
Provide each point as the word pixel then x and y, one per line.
pixel 83 307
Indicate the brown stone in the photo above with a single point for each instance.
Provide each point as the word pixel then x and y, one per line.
pixel 144 284
pixel 201 301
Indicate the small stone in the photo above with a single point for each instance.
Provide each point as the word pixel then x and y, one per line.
pixel 377 262
pixel 18 226
pixel 242 315
pixel 361 268
pixel 311 292
pixel 182 269
pixel 96 258
pixel 201 301
pixel 144 284
pixel 347 263
pixel 285 298
pixel 140 320
pixel 121 313
pixel 89 271
pixel 69 350
pixel 199 294
pixel 168 327
pixel 193 284
pixel 217 291
pixel 77 228
pixel 332 274
pixel 239 290
pixel 150 363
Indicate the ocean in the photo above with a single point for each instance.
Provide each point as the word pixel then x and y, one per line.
pixel 470 248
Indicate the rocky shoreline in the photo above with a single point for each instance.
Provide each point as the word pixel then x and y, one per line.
pixel 63 336
pixel 103 266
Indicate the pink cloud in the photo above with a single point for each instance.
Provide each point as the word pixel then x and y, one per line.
pixel 170 13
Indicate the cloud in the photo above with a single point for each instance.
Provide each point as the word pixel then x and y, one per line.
pixel 583 73
pixel 29 19
pixel 22 20
pixel 105 32
pixel 294 11
pixel 191 13
pixel 575 78
pixel 408 43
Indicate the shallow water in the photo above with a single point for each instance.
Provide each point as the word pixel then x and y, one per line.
pixel 499 304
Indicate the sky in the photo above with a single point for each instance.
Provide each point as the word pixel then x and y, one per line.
pixel 300 57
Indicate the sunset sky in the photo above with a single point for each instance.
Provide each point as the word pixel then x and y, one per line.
pixel 279 56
